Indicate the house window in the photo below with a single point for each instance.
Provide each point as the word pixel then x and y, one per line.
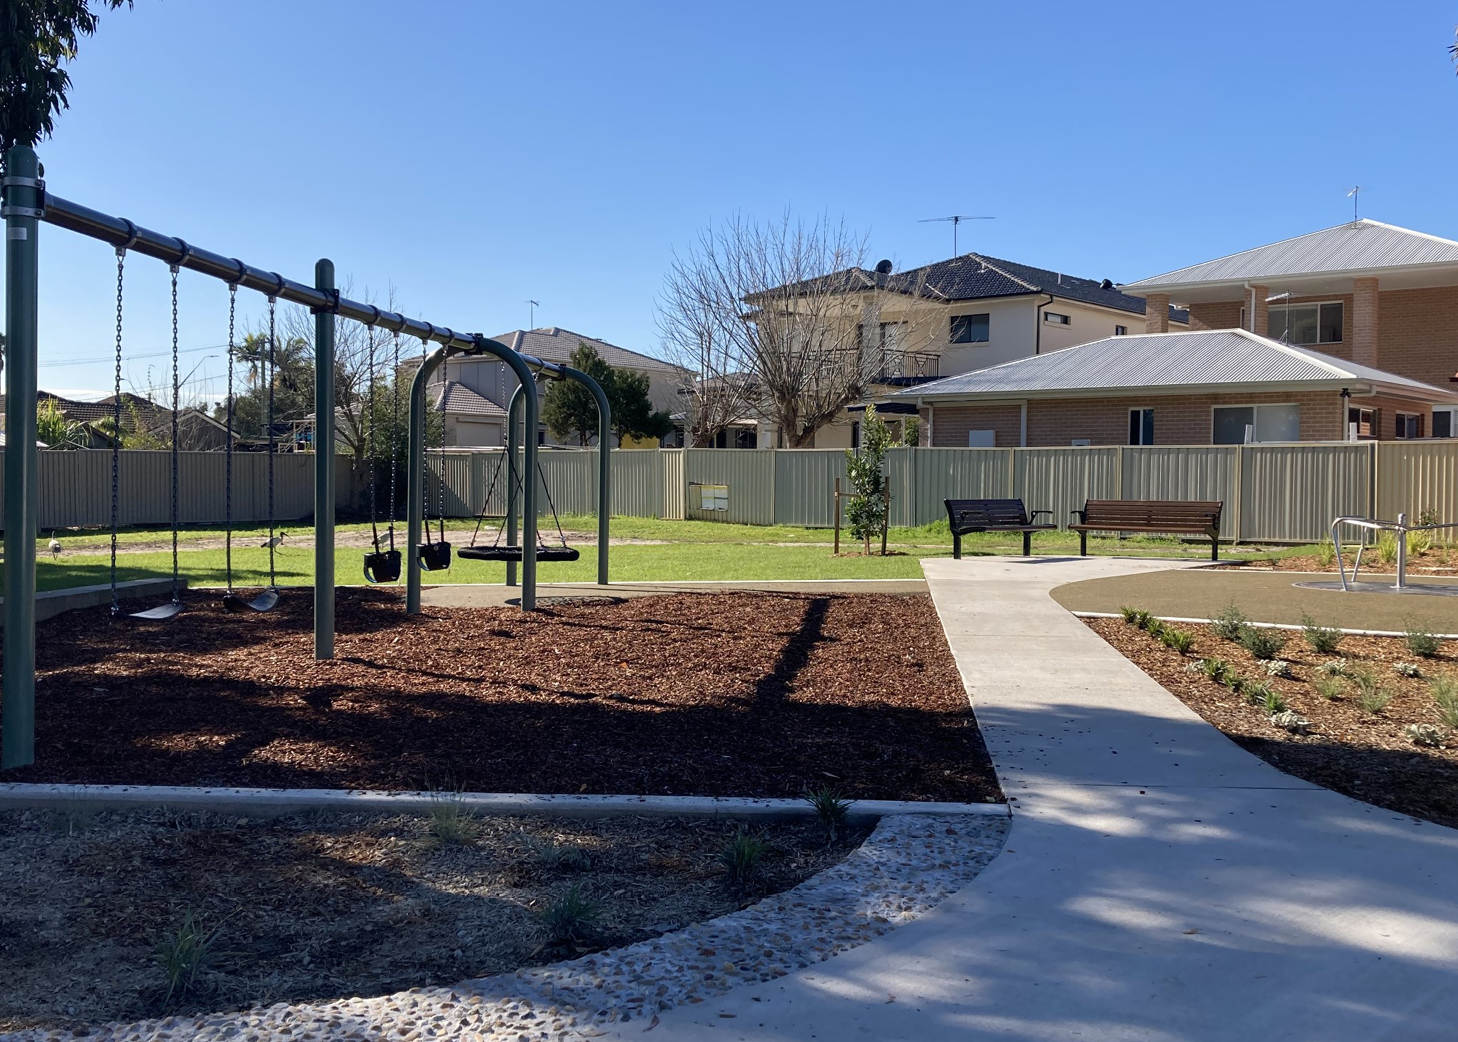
pixel 1443 425
pixel 1306 323
pixel 1364 420
pixel 1121 330
pixel 1055 319
pixel 982 439
pixel 1239 424
pixel 1409 425
pixel 1141 426
pixel 969 329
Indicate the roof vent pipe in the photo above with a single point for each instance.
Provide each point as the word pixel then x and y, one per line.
pixel 884 267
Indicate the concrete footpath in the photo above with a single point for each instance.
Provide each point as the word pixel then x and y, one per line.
pixel 1159 884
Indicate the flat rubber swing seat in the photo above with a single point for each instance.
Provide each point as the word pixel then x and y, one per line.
pixel 513 553
pixel 158 614
pixel 265 601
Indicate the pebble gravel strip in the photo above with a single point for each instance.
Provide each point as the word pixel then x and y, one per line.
pixel 907 866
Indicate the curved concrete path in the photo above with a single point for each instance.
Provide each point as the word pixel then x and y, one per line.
pixel 1159 883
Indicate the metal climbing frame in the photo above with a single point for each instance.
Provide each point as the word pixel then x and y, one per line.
pixel 24 205
pixel 1400 526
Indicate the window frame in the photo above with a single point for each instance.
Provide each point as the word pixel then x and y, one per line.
pixel 986 317
pixel 1057 318
pixel 1399 428
pixel 1255 419
pixel 1121 330
pixel 1451 414
pixel 1145 429
pixel 1361 410
pixel 1318 305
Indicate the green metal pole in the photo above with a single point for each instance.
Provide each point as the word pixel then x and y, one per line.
pixel 604 467
pixel 513 449
pixel 22 201
pixel 324 491
pixel 415 479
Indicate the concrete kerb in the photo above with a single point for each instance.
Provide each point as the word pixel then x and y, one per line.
pixel 1258 625
pixel 279 802
pixel 50 603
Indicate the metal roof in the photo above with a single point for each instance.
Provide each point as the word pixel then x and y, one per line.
pixel 1171 361
pixel 1347 248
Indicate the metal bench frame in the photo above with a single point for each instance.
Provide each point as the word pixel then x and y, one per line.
pixel 1190 517
pixel 993 515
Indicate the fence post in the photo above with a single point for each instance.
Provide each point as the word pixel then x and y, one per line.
pixel 1237 486
pixel 324 493
pixel 21 208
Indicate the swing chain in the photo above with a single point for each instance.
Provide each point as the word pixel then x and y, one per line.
pixel 369 434
pixel 269 370
pixel 228 416
pixel 121 257
pixel 176 401
pixel 394 430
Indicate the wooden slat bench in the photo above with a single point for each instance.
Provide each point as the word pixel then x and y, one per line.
pixel 993 515
pixel 1149 515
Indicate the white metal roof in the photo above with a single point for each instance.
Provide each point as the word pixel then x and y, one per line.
pixel 1171 362
pixel 1351 249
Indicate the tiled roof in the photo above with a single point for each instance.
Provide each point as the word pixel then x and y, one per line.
pixel 1224 357
pixel 459 399
pixel 553 344
pixel 1346 248
pixel 973 276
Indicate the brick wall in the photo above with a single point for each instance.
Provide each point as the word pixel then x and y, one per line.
pixel 1178 419
pixel 950 424
pixel 1156 313
pixel 1222 314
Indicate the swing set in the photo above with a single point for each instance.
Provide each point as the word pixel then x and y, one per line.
pixel 24 205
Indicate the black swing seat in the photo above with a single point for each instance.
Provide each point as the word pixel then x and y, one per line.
pixel 158 614
pixel 435 557
pixel 265 601
pixel 513 553
pixel 382 566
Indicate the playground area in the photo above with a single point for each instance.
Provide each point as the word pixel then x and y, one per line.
pixel 736 694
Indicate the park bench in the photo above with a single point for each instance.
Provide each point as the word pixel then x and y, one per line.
pixel 1149 515
pixel 993 515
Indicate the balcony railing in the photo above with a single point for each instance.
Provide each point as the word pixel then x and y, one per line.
pixel 908 367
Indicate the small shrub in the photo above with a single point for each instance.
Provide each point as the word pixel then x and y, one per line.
pixel 1143 619
pixel 453 824
pixel 1336 667
pixel 1156 629
pixel 1262 643
pixel 1445 693
pixel 184 953
pixel 1407 669
pixel 1217 669
pixel 1419 543
pixel 1373 698
pixel 1130 614
pixel 1421 642
pixel 1330 688
pixel 1322 639
pixel 830 807
pixel 1430 735
pixel 1278 667
pixel 548 853
pixel 1387 547
pixel 743 858
pixel 569 917
pixel 1178 640
pixel 1326 554
pixel 1230 624
pixel 1287 720
pixel 1255 692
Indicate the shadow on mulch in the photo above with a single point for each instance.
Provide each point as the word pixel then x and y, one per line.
pixel 736 694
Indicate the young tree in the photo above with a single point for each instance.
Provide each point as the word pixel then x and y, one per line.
pixel 783 322
pixel 37 37
pixel 633 415
pixel 866 510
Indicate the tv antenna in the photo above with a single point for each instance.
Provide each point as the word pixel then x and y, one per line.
pixel 956 219
pixel 532 313
pixel 1356 191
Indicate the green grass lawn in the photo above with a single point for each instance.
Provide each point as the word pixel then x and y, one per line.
pixel 689 550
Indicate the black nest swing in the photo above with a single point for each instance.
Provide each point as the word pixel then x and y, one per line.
pixel 495 551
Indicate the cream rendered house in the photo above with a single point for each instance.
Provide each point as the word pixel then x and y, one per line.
pixel 972 312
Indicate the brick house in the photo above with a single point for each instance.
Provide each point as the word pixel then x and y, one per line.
pixel 1365 292
pixel 1183 388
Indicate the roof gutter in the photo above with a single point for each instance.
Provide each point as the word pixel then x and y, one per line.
pixel 1038 324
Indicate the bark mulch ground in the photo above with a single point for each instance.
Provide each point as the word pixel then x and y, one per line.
pixel 738 694
pixel 318 906
pixel 1362 754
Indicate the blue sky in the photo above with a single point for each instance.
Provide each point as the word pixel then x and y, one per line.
pixel 474 155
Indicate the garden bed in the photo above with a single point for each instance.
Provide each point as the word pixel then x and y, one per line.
pixel 320 906
pixel 1357 744
pixel 733 694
